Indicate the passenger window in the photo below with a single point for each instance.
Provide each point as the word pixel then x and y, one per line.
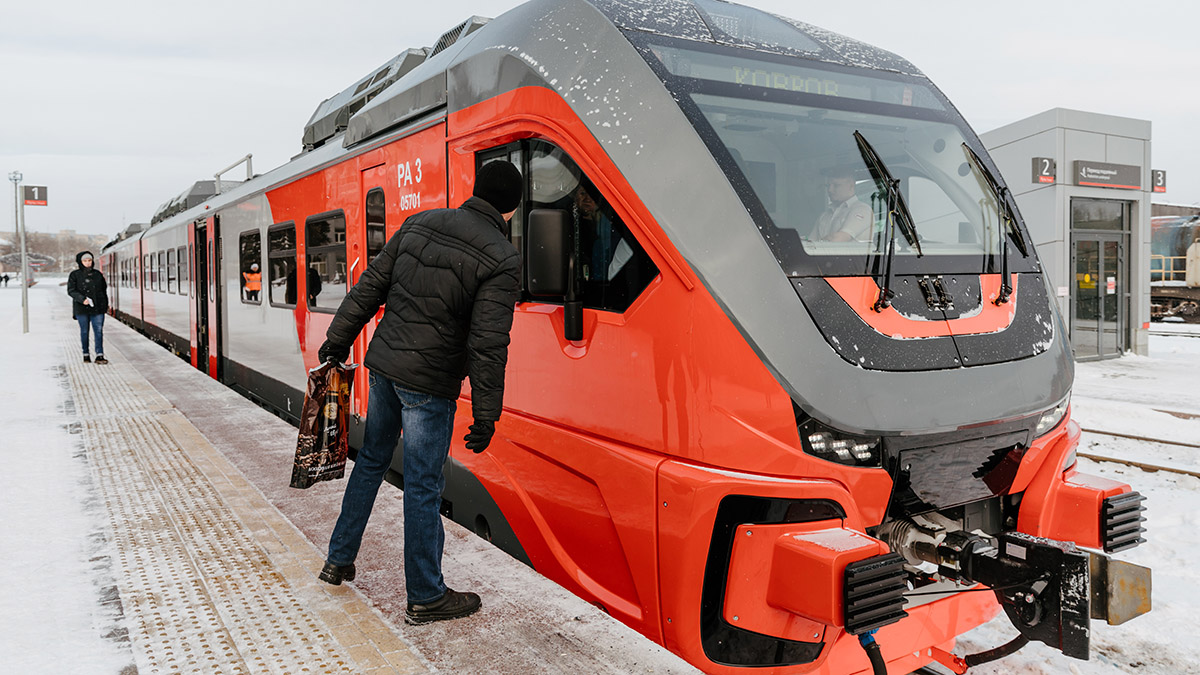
pixel 325 239
pixel 146 271
pixel 172 272
pixel 184 265
pixel 376 223
pixel 613 267
pixel 249 255
pixel 161 283
pixel 281 259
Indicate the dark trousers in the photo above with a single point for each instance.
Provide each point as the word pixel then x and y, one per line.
pixel 96 321
pixel 428 425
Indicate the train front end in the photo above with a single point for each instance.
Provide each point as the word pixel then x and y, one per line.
pixel 864 245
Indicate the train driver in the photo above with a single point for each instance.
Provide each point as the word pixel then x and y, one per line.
pixel 846 218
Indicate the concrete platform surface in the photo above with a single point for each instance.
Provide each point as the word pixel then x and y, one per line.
pixel 215 557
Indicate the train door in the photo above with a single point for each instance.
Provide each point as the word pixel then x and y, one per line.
pixel 1099 302
pixel 112 276
pixel 199 304
pixel 365 244
pixel 602 484
pixel 206 253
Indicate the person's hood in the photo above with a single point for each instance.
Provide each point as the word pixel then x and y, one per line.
pixel 79 259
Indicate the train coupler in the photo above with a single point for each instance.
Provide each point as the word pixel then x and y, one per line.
pixel 1050 589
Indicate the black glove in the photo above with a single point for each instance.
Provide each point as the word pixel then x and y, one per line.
pixel 480 435
pixel 332 352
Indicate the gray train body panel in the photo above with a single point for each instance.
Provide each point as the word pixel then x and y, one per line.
pixel 578 51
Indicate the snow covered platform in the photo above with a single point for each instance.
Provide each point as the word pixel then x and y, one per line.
pixel 174 543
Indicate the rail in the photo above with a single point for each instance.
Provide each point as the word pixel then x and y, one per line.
pixel 1145 466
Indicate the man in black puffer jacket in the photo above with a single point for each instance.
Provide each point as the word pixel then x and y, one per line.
pixel 89 291
pixel 448 281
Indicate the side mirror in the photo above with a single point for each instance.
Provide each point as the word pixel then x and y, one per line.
pixel 551 266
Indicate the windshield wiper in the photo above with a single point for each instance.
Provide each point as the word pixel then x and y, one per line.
pixel 897 212
pixel 1006 218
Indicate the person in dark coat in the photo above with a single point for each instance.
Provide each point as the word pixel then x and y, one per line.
pixel 448 281
pixel 89 291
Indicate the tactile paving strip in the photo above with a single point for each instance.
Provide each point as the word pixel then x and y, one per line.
pixel 199 594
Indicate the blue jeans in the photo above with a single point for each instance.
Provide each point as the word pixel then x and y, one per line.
pixel 428 424
pixel 96 321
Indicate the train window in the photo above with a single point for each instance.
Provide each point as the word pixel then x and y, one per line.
pixel 512 153
pixel 146 271
pixel 325 242
pixel 161 283
pixel 172 272
pixel 613 267
pixel 249 255
pixel 376 223
pixel 184 264
pixel 281 264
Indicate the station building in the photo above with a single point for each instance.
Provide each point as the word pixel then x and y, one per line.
pixel 1083 182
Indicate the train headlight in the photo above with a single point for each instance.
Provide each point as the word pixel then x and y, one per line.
pixel 1052 417
pixel 836 446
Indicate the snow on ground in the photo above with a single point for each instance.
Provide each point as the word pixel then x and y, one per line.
pixel 1128 395
pixel 54 610
pixel 57 599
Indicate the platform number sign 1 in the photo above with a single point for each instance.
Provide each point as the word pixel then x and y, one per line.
pixel 35 195
pixel 1158 179
pixel 1044 170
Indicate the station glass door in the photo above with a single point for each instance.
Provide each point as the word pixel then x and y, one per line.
pixel 1099 302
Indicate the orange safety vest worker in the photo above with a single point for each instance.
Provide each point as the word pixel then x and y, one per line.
pixel 253 280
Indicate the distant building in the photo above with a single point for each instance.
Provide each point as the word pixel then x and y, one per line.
pixel 61 246
pixel 1083 183
pixel 1164 209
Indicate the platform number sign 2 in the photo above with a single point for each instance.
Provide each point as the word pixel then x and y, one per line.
pixel 35 195
pixel 1044 170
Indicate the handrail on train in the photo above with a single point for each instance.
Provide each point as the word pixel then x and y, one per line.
pixel 248 159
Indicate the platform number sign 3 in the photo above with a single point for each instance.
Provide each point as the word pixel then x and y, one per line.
pixel 1158 179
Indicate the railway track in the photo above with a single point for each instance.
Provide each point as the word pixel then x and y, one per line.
pixel 1145 466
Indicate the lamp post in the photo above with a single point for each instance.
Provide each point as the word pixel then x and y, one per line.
pixel 19 212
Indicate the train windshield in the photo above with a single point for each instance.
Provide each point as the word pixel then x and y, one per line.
pixel 784 132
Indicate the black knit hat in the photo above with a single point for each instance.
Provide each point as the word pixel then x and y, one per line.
pixel 499 184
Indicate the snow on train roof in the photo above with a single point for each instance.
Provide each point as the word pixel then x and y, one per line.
pixel 740 26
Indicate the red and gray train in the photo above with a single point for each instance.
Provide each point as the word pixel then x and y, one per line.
pixel 752 444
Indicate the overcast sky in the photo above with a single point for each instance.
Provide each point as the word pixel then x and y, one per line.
pixel 118 106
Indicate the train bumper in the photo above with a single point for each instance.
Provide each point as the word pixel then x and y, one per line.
pixel 815 572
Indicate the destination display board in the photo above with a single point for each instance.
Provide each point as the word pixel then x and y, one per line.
pixel 795 76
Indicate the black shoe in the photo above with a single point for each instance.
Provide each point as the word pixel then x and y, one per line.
pixel 87 359
pixel 333 574
pixel 452 605
pixel 100 360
